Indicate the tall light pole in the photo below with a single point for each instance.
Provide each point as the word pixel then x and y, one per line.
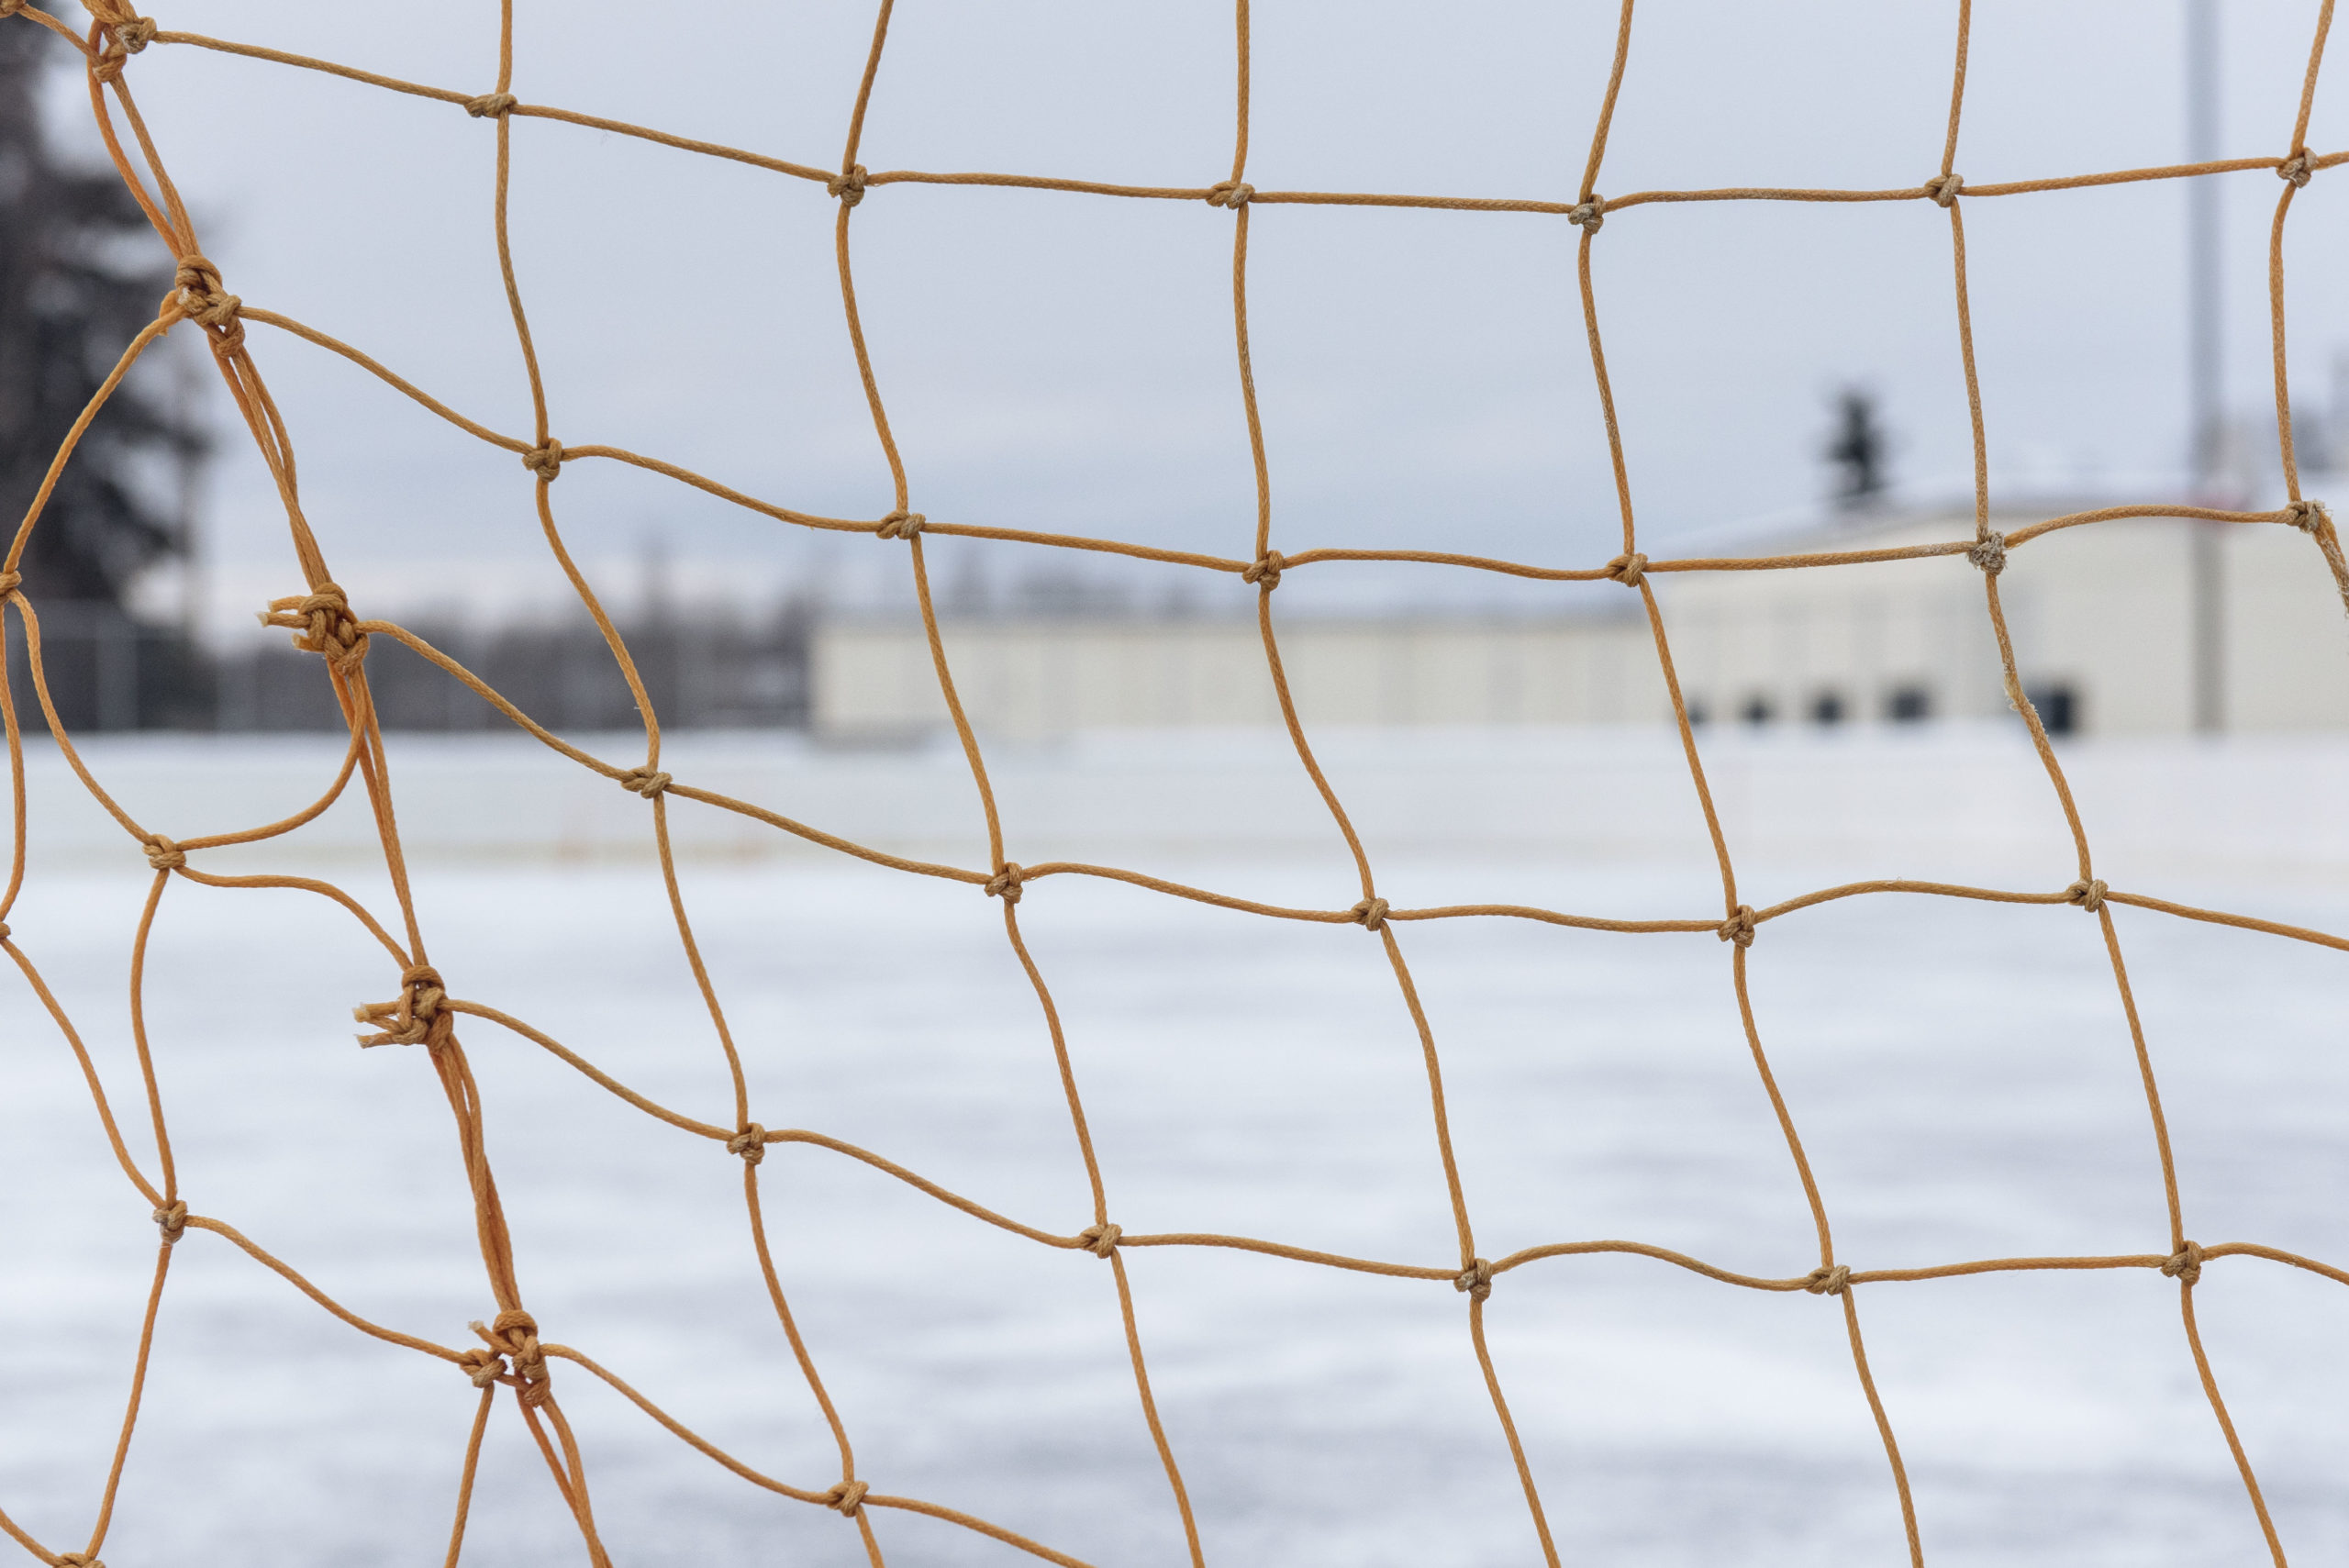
pixel 2205 400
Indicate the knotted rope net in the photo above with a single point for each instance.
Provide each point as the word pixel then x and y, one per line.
pixel 422 1010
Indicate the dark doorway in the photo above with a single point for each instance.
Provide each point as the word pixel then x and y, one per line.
pixel 2058 707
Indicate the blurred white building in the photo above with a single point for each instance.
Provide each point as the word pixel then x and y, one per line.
pixel 2111 632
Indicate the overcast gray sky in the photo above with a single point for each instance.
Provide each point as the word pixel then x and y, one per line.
pixel 1066 362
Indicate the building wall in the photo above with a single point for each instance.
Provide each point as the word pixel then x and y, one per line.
pixel 2100 611
pixel 2104 612
pixel 2101 618
pixel 1043 677
pixel 2287 649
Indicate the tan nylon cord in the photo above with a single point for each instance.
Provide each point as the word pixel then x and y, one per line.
pixel 510 1353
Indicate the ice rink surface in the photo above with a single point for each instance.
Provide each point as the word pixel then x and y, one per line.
pixel 1961 1073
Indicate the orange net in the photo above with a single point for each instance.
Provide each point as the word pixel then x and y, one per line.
pixel 510 1353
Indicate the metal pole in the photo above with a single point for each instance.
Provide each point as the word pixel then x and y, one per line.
pixel 2205 390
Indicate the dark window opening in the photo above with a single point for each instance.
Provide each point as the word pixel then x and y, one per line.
pixel 1909 704
pixel 2058 707
pixel 1827 707
pixel 1756 709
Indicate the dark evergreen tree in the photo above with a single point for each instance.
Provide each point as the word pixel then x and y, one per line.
pixel 67 306
pixel 80 274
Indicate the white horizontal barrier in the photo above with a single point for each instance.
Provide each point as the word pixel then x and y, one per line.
pixel 1887 803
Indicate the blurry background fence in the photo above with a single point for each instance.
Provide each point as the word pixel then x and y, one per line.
pixel 109 671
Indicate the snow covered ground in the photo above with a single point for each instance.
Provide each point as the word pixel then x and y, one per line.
pixel 1961 1073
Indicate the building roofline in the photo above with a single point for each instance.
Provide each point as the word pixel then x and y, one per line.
pixel 1814 521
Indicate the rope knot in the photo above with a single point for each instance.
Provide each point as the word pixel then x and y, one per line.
pixel 1005 884
pixel 321 622
pixel 1630 570
pixel 546 461
pixel 1943 188
pixel 1476 1279
pixel 484 1367
pixel 751 1143
pixel 1264 572
pixel 1824 1281
pixel 1739 926
pixel 2304 516
pixel 490 106
pixel 1590 215
pixel 74 1559
pixel 196 287
pixel 1990 552
pixel 197 279
pixel 419 1015
pixel 2297 168
pixel 5 932
pixel 1231 193
pixel 2186 1265
pixel 847 187
pixel 646 781
pixel 901 524
pixel 172 1218
pixel 1101 1240
pixel 9 8
pixel 514 1334
pixel 847 1496
pixel 133 33
pixel 163 854
pixel 2087 893
pixel 1370 914
pixel 10 582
